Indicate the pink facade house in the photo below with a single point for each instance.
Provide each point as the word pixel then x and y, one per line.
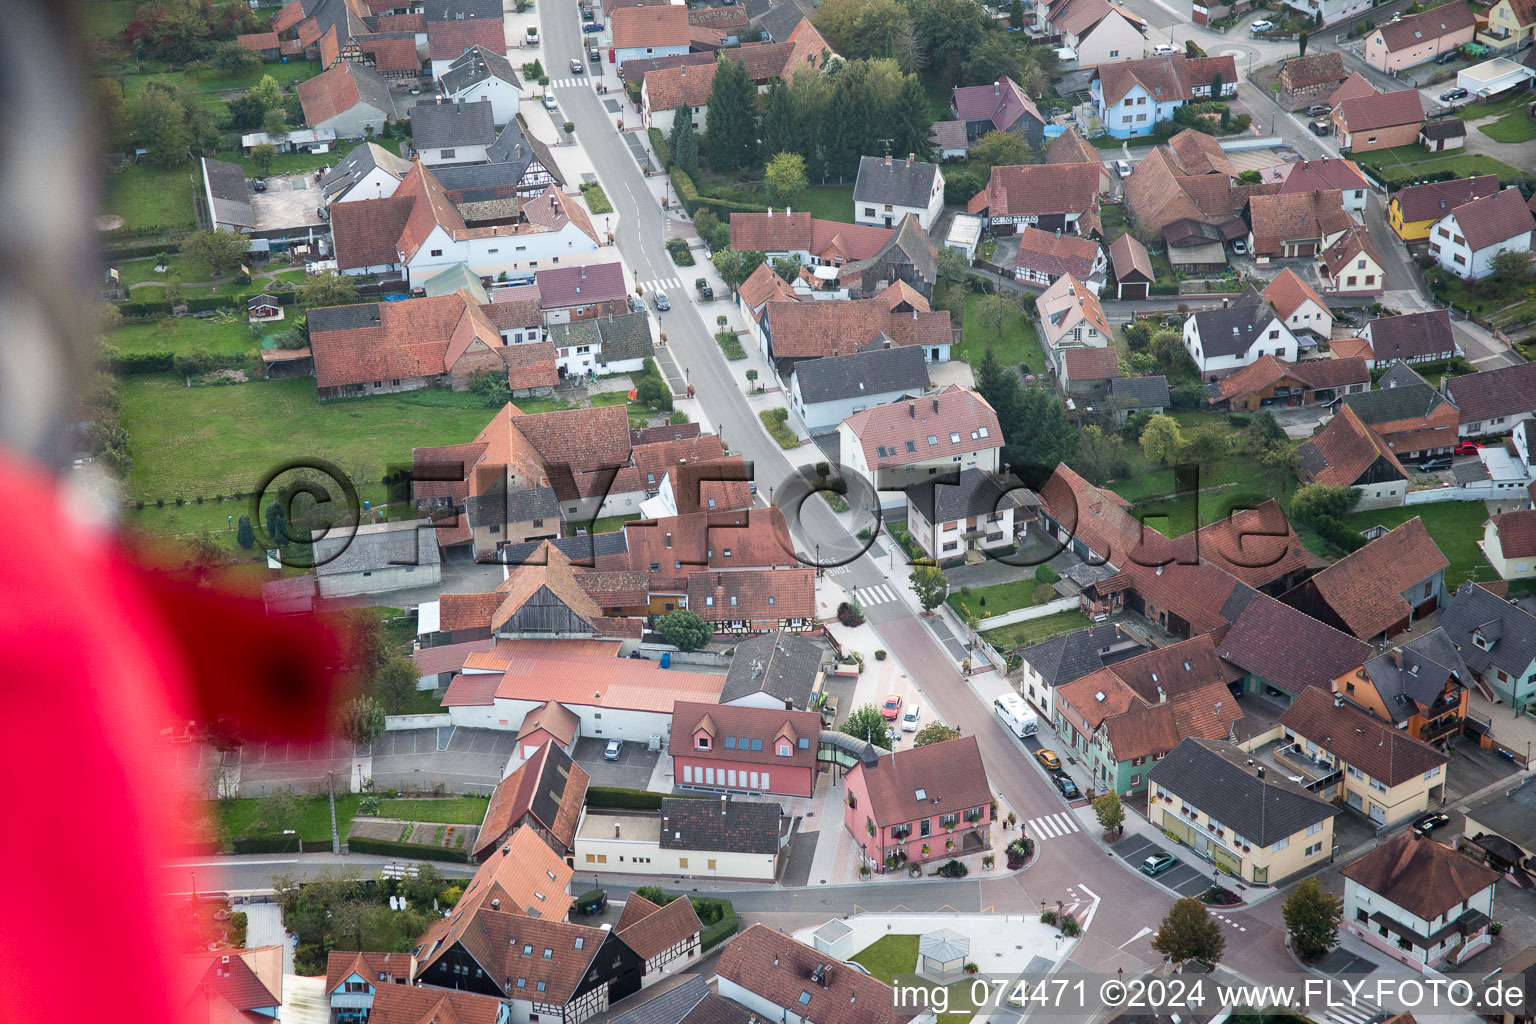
pixel 724 748
pixel 1405 42
pixel 923 805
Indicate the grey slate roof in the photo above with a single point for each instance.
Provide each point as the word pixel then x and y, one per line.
pixel 894 181
pixel 1148 392
pixel 1512 816
pixel 1404 402
pixel 1212 775
pixel 436 125
pixel 577 332
pixel 745 827
pixel 626 336
pixel 1232 330
pixel 1511 629
pixel 375 546
pixel 671 1006
pixel 782 665
pixel 1062 659
pixel 477 65
pixel 783 16
pixel 581 550
pixel 343 318
pixel 875 372
pixel 1400 374
pixel 1427 663
pixel 510 155
pixel 231 199
pixel 356 165
pixel 455 10
pixel 498 508
pixel 977 494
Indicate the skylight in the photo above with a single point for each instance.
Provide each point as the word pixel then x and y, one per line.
pixel 922 794
pixel 1100 696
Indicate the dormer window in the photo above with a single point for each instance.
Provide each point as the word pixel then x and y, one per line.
pixel 702 743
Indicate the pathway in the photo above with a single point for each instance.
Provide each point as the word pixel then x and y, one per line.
pixel 267 274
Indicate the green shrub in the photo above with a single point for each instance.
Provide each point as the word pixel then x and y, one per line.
pixel 661 148
pixel 677 248
pixel 718 916
pixel 389 848
pixel 1045 574
pixel 952 869
pixel 597 199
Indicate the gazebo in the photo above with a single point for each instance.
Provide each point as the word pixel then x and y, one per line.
pixel 942 954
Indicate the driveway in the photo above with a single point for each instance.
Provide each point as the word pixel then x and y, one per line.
pixel 631 771
pixel 460 759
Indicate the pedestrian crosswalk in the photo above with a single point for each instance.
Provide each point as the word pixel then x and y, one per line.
pixel 880 593
pixel 661 284
pixel 1051 826
pixel 1360 1011
pixel 569 83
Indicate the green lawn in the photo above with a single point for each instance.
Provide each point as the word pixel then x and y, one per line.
pixel 1030 631
pixel 215 82
pixel 151 197
pixel 607 524
pixel 1175 517
pixel 1516 126
pixel 183 268
pixel 1514 100
pixel 182 334
pixel 895 955
pixel 1456 526
pixel 106 18
pixel 1160 481
pixel 1404 164
pixel 217 440
pixel 995 600
pixel 312 820
pixel 1017 343
pixel 829 202
pixel 458 810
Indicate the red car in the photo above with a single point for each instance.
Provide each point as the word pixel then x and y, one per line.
pixel 892 707
pixel 1467 448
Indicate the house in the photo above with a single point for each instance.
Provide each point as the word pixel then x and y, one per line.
pixel 1511 23
pixel 1317 74
pixel 1071 317
pixel 1355 85
pixel 1492 402
pixel 349 99
pixel 947 140
pixel 1329 12
pixel 774 670
pixel 452 133
pixel 1299 306
pixel 666 937
pixel 1053 197
pixel 482 74
pixel 584 292
pixel 353 979
pixel 730 748
pixel 957 520
pixel 824 392
pixel 1419 901
pixel 904 443
pixel 1442 134
pixel 1276 647
pixel 887 189
pixel 1380 772
pixel 686 838
pixel 674 547
pixel 1411 338
pixel 1466 240
pixel 778 978
pixel 1085 375
pixel 761 287
pixel 1348 453
pixel 1270 380
pixel 1096 31
pixel 1002 106
pixel 1227 339
pixel 1379 590
pixel 638 32
pixel 908 256
pixel 1131 96
pixel 409 1004
pixel 1051 664
pixel 665 90
pixel 715 28
pixel 691 486
pixel 1406 41
pixel 449 39
pixel 923 804
pixel 1301 224
pixel 263 43
pixel 793 331
pixel 1132 265
pixel 1352 267
pixel 369 171
pixel 746 601
pixel 1043 258
pixel 1184 193
pixel 231 984
pixel 1378 121
pixel 1412 211
pixel 1071 148
pixel 1322 175
pixel 1414 420
pixel 263 308
pixel 1139 394
pixel 1255 824
pixel 1092 522
pixel 519 165
pixel 1496 639
pixel 376 558
pixel 811 240
pixel 544 794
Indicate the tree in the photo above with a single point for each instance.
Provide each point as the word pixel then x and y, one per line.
pixel 1216 86
pixel 361 720
pixel 1109 810
pixel 277 523
pixel 951 265
pixel 1315 501
pixel 1016 15
pixel 999 149
pixel 267 93
pixel 244 535
pixel 112 110
pixel 1312 918
pixel 866 723
pixel 234 57
pixel 1189 933
pixel 262 155
pixel 1280 463
pixel 1250 178
pixel 395 683
pixel 1037 435
pixel 1301 45
pixel 1263 431
pixel 160 126
pixel 996 310
pixel 327 288
pixel 911 124
pixel 930 585
pixel 781 129
pixel 732 117
pixel 221 250
pixel 1204 448
pixel 787 267
pixel 1161 439
pixel 1168 347
pixel 934 732
pixel 275 122
pixel 684 142
pixel 736 266
pixel 684 629
pixel 784 179
pixel 278 809
pixel 947 31
pixel 1512 266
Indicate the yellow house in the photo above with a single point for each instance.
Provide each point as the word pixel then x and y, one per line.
pixel 1251 822
pixel 1510 23
pixel 1412 211
pixel 1363 762
pixel 1509 542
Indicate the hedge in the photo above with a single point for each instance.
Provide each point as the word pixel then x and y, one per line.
pixel 280 844
pixel 716 933
pixel 146 307
pixel 150 230
pixel 629 799
pixel 124 363
pixel 415 851
pixel 693 201
pixel 1163 289
pixel 662 148
pixel 126 252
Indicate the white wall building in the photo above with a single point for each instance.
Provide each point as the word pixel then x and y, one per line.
pixel 1223 340
pixel 888 189
pixel 1465 241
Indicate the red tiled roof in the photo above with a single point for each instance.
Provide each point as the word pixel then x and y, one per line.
pixel 1314 374
pixel 657 932
pixel 808 49
pixel 668 88
pixel 1493 219
pixel 430 661
pixel 1043 189
pixel 1278 219
pixel 258 41
pixel 402 22
pixel 1435 199
pixel 940 778
pixel 1364 588
pixel 753 594
pixel 1129 256
pixel 1344 450
pixel 843 326
pixel 531 365
pixel 392 52
pixel 633 27
pixel 1355 85
pixel 367 232
pixel 1381 110
pixel 288 16
pixel 763 286
pixel 776 968
pixel 1288 291
pixel 411 1004
pixel 556 670
pixel 1164 78
pixel 1096 516
pixel 1517 532
pixel 959 421
pixel 329 93
pixel 720 721
pixel 1359 738
pixel 548 783
pixel 1434 23
pixel 1052 254
pixel 1314 69
pixel 447 40
pixel 754 538
pixel 341 965
pixel 1090 363
pixel 1506 391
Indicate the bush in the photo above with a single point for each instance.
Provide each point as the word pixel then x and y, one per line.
pixel 1045 593
pixel 597 199
pixel 124 363
pixel 390 848
pixel 1069 926
pixel 952 869
pixel 1047 917
pixel 677 248
pixel 146 308
pixel 718 916
pixel 880 655
pixel 1045 574
pixel 661 148
pixel 657 895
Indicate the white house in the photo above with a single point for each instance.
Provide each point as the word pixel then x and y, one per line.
pixel 1071 317
pixel 907 442
pixel 1331 10
pixel 453 132
pixel 663 90
pixel 349 99
pixel 481 74
pixel 888 189
pixel 1465 241
pixel 1100 33
pixel 1420 902
pixel 827 391
pixel 1223 340
pixel 639 32
pixel 1131 96
pixel 689 838
pixel 1301 308
pixel 951 521
pixel 368 172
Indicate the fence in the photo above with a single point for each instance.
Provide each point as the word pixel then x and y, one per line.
pixel 398 722
pixel 1263 142
pixel 1038 611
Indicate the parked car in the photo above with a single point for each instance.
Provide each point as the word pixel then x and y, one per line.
pixel 1123 168
pixel 259 184
pixel 1018 995
pixel 1239 247
pixel 1164 50
pixel 1261 26
pixel 1067 786
pixel 1048 758
pixel 892 707
pixel 1434 465
pixel 636 304
pixel 1321 126
pixel 1452 95
pixel 594 57
pixel 1468 448
pixel 576 68
pixel 1319 108
pixel 1157 864
pixel 592 26
pixel 1424 824
pixel 909 720
pixel 549 98
pixel 612 751
pixel 1446 57
pixel 661 301
pixel 586 14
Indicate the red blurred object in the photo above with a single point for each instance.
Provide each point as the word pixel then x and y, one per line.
pixel 100 655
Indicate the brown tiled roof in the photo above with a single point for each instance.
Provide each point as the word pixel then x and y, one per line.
pixel 288 16
pixel 549 570
pixel 392 52
pixel 808 49
pixel 1279 219
pixel 668 87
pixel 615 588
pixel 557 720
pixel 447 40
pixel 1407 335
pixel 1164 78
pixel 757 593
pixel 649 26
pixel 1090 363
pixel 1256 545
pixel 1350 246
pixel 1431 24
pixel 1043 189
pixel 1517 532
pixel 549 786
pixel 1311 175
pixel 1314 69
pixel 763 286
pixel 763 61
pixel 1200 153
pixel 446 657
pixel 580 447
pixel 1506 391
pixel 1289 648
pixel 495 939
pixel 755 538
pixel 402 22
pixel 718 485
pixel 243 979
pixel 636 909
pixel 954 417
pixel 831 327
pixel 525 875
pixel 1313 373
pixel 778 969
pixel 1071 148
pixel 531 365
pixel 1343 450
pixel 1198 593
pixel 1494 219
pixel 1096 515
pixel 411 1004
pixel 1364 587
pixel 658 932
pixel 1381 110
pixel 258 40
pixel 1054 254
pixel 720 721
pixel 1347 348
pixel 1423 877
pixel 1358 738
pixel 329 93
pixel 367 232
pixel 1355 85
pixel 1128 256
pixel 941 778
pixel 341 965
pixel 1288 291
pixel 773 231
pixel 652 461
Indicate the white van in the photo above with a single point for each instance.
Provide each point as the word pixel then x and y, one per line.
pixel 910 717
pixel 533 35
pixel 1014 712
pixel 549 97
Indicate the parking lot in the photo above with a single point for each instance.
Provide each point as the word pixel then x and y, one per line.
pixel 1184 878
pixel 631 771
pixel 462 760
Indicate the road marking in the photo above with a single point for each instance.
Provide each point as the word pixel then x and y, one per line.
pixel 661 284
pixel 1133 938
pixel 1053 826
pixel 879 593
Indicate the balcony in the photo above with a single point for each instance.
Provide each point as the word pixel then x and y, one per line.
pixel 1448 726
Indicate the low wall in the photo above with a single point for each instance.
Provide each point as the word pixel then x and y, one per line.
pixel 395 723
pixel 712 658
pixel 1061 604
pixel 1477 492
pixel 1264 142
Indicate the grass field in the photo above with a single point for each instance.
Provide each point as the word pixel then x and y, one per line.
pixel 458 810
pixel 1022 634
pixel 994 600
pixel 607 524
pixel 1515 126
pixel 106 18
pixel 1513 100
pixel 897 954
pixel 1406 164
pixel 1160 481
pixel 312 820
pixel 1017 343
pixel 1175 517
pixel 1455 526
pixel 183 334
pixel 829 202
pixel 214 82
pixel 149 197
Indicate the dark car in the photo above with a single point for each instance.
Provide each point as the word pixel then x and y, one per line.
pixel 592 26
pixel 259 184
pixel 1320 127
pixel 636 304
pixel 1067 786
pixel 1446 57
pixel 662 302
pixel 1157 864
pixel 1451 95
pixel 1434 465
pixel 587 15
pixel 1424 824
pixel 594 57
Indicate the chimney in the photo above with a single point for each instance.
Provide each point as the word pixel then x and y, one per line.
pixel 1397 657
pixel 615 830
pixel 912 410
pixel 935 403
pixel 496 904
pixel 664 819
pixel 1261 771
pixel 995 89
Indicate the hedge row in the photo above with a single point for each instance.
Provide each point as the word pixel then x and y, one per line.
pixel 1163 289
pixel 151 230
pixel 693 201
pixel 413 851
pixel 629 799
pixel 662 148
pixel 126 252
pixel 280 844
pixel 722 929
